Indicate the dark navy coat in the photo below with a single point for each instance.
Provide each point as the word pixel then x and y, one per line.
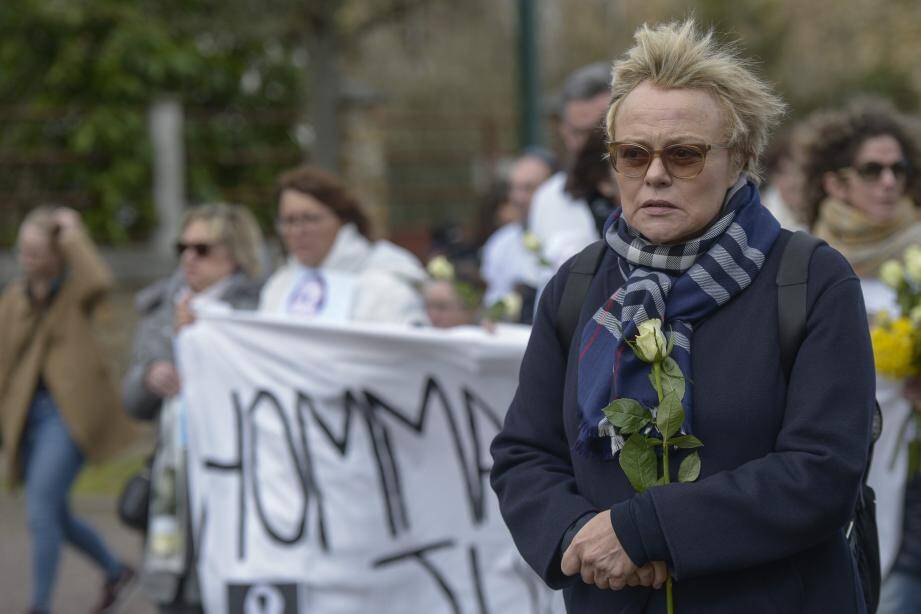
pixel 762 529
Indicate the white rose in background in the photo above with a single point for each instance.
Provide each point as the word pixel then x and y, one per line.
pixel 512 304
pixel 913 263
pixel 892 274
pixel 531 242
pixel 440 268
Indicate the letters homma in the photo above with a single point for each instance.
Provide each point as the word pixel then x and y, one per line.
pixel 350 485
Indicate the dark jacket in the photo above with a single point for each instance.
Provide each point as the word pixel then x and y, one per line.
pixel 761 530
pixel 153 339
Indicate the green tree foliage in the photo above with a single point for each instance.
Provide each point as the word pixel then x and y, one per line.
pixel 76 80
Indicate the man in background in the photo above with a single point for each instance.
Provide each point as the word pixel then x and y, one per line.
pixel 563 225
pixel 506 260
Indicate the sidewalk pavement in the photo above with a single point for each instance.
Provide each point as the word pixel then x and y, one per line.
pixel 79 582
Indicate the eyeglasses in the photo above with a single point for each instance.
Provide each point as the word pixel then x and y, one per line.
pixel 681 160
pixel 201 250
pixel 304 219
pixel 872 171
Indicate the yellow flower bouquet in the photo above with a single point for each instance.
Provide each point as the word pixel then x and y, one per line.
pixel 897 340
pixel 895 346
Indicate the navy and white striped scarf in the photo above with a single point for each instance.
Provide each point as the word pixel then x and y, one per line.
pixel 679 284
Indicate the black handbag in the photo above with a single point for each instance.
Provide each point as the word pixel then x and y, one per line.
pixel 134 500
pixel 863 540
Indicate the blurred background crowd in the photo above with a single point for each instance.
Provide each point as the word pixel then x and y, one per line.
pixel 448 156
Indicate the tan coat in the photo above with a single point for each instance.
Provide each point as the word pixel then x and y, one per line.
pixel 57 343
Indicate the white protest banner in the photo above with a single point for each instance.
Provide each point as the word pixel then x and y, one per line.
pixel 338 469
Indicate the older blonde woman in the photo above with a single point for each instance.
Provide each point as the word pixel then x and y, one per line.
pixel 761 530
pixel 220 255
pixel 58 405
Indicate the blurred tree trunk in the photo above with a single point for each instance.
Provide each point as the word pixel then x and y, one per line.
pixel 334 27
pixel 323 46
pixel 165 125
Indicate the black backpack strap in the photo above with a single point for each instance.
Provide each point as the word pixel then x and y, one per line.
pixel 860 532
pixel 580 278
pixel 792 278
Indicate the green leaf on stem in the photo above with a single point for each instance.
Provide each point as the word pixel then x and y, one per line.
pixel 627 415
pixel 690 468
pixel 686 442
pixel 672 378
pixel 653 442
pixel 639 463
pixel 669 416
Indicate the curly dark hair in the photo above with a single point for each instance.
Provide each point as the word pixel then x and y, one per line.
pixel 829 139
pixel 329 190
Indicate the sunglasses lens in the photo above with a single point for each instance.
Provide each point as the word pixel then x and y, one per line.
pixel 872 171
pixel 683 161
pixel 631 160
pixel 199 249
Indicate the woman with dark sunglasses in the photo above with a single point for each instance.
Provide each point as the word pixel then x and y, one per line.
pixel 220 259
pixel 860 167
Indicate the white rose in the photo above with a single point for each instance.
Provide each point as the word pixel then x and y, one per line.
pixel 511 302
pixel 650 344
pixel 915 315
pixel 531 242
pixel 440 268
pixel 913 263
pixel 892 274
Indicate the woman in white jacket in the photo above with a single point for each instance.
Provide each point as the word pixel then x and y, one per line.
pixel 335 272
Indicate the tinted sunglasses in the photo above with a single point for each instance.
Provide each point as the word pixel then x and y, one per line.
pixel 872 171
pixel 201 250
pixel 681 160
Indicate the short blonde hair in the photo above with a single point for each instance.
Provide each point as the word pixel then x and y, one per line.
pixel 42 218
pixel 678 55
pixel 234 227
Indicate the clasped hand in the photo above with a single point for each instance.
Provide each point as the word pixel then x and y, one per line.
pixel 596 554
